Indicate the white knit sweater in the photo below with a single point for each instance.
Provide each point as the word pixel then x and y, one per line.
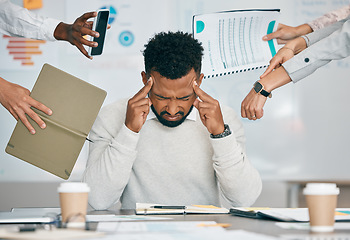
pixel 180 165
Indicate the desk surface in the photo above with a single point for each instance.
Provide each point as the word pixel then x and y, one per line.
pixel 266 227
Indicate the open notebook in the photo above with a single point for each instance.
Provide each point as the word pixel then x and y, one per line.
pixel 75 105
pixel 155 209
pixel 285 214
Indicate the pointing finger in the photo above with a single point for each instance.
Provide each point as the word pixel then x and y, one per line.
pixel 200 93
pixel 144 91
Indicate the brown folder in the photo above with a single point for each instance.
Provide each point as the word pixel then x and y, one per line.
pixel 75 105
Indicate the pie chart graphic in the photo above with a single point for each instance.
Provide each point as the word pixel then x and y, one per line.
pixel 112 13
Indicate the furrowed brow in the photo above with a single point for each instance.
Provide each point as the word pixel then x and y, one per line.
pixel 160 96
pixel 180 98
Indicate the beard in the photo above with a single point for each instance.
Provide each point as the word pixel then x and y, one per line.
pixel 171 123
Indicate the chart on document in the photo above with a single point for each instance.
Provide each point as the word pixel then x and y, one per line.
pixel 232 40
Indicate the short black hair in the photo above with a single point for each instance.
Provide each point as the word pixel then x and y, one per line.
pixel 173 54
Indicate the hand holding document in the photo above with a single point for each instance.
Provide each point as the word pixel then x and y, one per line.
pixel 232 40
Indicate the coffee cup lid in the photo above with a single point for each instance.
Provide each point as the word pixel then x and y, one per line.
pixel 321 189
pixel 73 187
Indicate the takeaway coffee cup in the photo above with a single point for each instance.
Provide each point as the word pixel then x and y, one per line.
pixel 73 202
pixel 321 200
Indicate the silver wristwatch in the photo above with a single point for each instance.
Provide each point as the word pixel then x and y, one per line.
pixel 225 133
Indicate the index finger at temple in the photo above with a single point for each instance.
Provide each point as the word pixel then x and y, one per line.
pixel 200 93
pixel 145 90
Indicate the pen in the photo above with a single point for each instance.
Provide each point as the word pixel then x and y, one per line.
pixel 169 207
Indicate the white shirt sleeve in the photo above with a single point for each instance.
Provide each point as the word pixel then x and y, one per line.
pixel 18 21
pixel 321 51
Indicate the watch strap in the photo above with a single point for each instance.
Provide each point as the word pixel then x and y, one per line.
pixel 225 133
pixel 265 93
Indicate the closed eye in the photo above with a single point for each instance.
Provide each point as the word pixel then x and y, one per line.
pixel 161 97
pixel 185 98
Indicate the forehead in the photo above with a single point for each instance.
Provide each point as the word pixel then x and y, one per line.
pixel 173 87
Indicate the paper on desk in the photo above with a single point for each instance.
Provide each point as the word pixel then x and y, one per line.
pixel 204 234
pixel 161 226
pixel 121 218
pixel 306 226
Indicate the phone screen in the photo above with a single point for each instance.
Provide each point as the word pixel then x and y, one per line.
pixel 101 27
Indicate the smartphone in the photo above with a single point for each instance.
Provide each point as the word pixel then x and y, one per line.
pixel 100 26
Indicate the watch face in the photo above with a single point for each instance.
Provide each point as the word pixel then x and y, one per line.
pixel 257 87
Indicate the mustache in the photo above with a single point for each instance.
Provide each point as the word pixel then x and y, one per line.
pixel 166 113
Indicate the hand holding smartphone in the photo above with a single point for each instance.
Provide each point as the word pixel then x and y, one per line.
pixel 100 26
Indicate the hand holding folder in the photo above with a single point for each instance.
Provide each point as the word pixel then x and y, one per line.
pixel 75 105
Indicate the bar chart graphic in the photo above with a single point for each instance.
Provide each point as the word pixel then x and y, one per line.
pixel 23 49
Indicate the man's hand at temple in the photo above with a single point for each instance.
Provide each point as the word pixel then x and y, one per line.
pixel 138 108
pixel 209 111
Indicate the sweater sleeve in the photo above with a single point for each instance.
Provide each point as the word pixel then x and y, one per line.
pixel 320 52
pixel 239 182
pixel 111 157
pixel 330 18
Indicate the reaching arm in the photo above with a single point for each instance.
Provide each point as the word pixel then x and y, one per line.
pixel 18 21
pixel 285 33
pixel 17 101
pixel 74 33
pixel 253 104
pixel 321 50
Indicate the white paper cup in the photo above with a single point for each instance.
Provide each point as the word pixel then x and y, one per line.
pixel 321 199
pixel 73 202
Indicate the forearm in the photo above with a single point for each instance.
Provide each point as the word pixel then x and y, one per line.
pixel 303 29
pixel 296 45
pixel 3 83
pixel 109 167
pixel 275 79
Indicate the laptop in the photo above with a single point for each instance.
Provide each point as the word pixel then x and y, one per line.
pixel 26 217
